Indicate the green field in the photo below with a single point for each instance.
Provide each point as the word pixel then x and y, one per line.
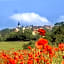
pixel 12 44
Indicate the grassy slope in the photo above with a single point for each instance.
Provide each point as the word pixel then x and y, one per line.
pixel 16 45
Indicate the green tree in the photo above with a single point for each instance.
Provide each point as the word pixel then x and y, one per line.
pixel 58 33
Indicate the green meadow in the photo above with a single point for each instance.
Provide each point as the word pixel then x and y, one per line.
pixel 12 44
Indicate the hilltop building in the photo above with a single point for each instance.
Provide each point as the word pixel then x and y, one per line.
pixel 18 27
pixel 31 27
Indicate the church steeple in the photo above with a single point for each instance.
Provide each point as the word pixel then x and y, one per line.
pixel 18 27
pixel 18 24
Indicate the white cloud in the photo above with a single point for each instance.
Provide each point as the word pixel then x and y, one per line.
pixel 30 18
pixel 60 19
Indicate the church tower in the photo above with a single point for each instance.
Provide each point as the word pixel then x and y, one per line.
pixel 18 25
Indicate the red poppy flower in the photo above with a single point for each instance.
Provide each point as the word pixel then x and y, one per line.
pixel 41 42
pixel 63 57
pixel 61 46
pixel 42 32
pixel 62 62
pixel 29 47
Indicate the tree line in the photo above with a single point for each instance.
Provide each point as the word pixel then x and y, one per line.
pixel 56 35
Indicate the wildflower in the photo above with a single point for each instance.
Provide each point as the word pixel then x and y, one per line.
pixel 49 48
pixel 12 61
pixel 61 46
pixel 62 62
pixel 42 32
pixel 37 60
pixel 30 62
pixel 63 57
pixel 21 62
pixel 41 42
pixel 29 47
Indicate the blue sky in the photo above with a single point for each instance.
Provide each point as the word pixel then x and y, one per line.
pixel 36 12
